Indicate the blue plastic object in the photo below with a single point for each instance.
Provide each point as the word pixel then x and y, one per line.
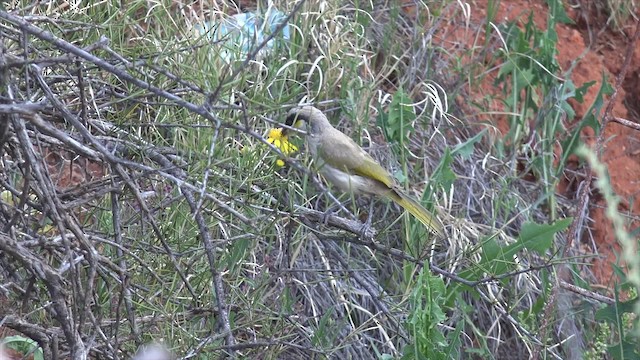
pixel 239 34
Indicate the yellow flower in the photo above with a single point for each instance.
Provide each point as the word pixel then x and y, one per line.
pixel 281 141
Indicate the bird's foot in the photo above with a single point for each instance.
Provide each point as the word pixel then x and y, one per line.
pixel 364 231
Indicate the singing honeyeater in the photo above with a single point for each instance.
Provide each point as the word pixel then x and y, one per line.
pixel 349 168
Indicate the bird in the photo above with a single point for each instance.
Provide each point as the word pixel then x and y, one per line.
pixel 349 168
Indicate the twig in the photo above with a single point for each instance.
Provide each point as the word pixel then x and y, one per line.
pixel 125 295
pixel 106 154
pixel 625 122
pixel 223 309
pixel 349 225
pixel 586 293
pixel 54 284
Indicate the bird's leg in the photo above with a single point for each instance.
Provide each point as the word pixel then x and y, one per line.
pixel 335 208
pixel 367 224
pixel 332 210
pixel 329 212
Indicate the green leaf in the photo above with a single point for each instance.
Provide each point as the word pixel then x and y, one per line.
pixel 506 68
pixel 591 119
pixel 490 249
pixel 613 313
pixel 324 334
pixel 570 144
pixel 466 149
pixel 535 237
pixel 497 260
pixel 397 124
pixel 524 78
pixel 443 175
pixel 400 176
pixel 539 237
pixel 579 92
pixel 624 350
pixel 568 109
pixel 557 12
pixel 237 252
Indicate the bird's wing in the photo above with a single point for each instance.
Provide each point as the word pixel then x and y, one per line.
pixel 346 155
pixel 371 169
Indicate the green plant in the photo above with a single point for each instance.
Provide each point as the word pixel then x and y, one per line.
pixel 538 101
pixel 425 320
pixel 622 320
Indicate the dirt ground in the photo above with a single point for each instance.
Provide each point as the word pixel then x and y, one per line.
pixel 594 49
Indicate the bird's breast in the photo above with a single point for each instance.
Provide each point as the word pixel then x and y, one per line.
pixel 313 142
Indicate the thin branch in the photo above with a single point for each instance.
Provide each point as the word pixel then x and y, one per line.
pixel 586 293
pixel 625 122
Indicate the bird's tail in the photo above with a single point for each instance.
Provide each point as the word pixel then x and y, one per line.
pixel 429 220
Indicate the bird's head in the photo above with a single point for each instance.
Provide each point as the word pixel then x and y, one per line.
pixel 307 118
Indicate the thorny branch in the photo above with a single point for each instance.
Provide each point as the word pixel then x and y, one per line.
pixel 97 151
